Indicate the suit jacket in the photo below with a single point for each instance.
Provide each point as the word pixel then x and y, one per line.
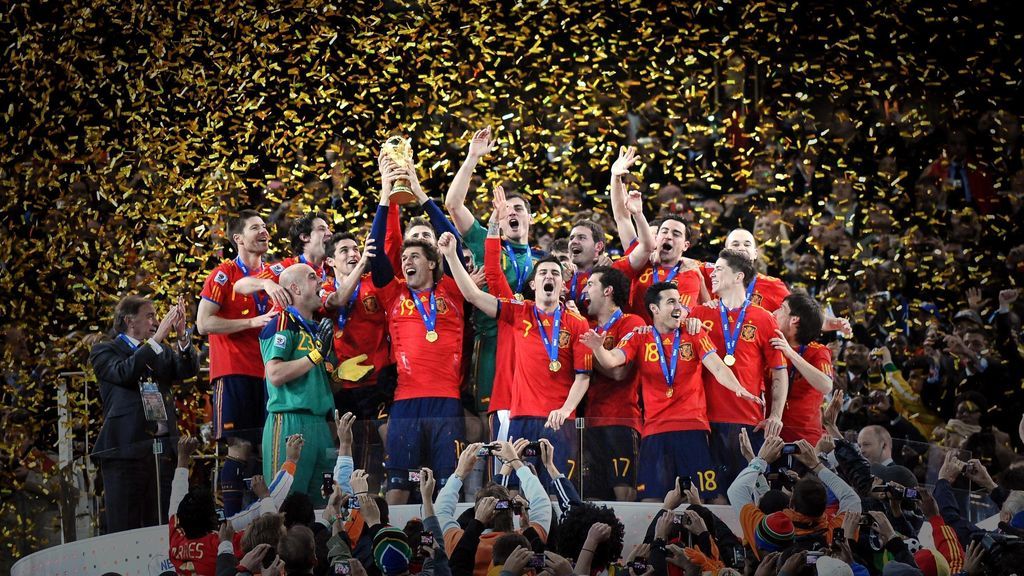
pixel 126 433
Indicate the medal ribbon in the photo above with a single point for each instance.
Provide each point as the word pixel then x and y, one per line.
pixel 302 321
pixel 124 338
pixel 522 272
pixel 669 276
pixel 261 303
pixel 550 343
pixel 346 311
pixel 668 370
pixel 731 336
pixel 429 320
pixel 611 322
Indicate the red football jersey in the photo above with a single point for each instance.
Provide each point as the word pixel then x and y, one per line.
pixel 425 369
pixel 802 417
pixel 686 409
pixel 273 271
pixel 754 356
pixel 365 330
pixel 576 288
pixel 769 291
pixel 505 352
pixel 687 281
pixel 615 402
pixel 189 556
pixel 536 390
pixel 235 354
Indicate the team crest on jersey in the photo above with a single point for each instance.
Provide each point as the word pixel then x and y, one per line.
pixel 748 332
pixel 756 298
pixel 686 351
pixel 280 341
pixel 277 268
pixel 563 338
pixel 371 305
pixel 220 278
pixel 609 342
pixel 442 306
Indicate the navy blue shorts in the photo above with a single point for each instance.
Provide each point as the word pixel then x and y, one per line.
pixel 239 408
pixel 726 457
pixel 565 440
pixel 423 432
pixel 611 456
pixel 666 456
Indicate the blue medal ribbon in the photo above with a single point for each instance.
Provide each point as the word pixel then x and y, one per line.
pixel 731 335
pixel 573 286
pixel 611 322
pixel 750 287
pixel 124 338
pixel 261 303
pixel 321 271
pixel 429 320
pixel 346 311
pixel 668 370
pixel 669 276
pixel 550 343
pixel 302 321
pixel 522 272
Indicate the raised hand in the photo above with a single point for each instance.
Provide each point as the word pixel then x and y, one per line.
pixel 293 448
pixel 591 339
pixel 259 487
pixel 446 244
pixel 427 483
pixel 168 322
pixel 627 157
pixel 278 294
pixel 481 144
pixel 1007 298
pixel 746 448
pixel 186 447
pixel 974 299
pixel 780 343
pixel 343 425
pixel 499 205
pixel 634 202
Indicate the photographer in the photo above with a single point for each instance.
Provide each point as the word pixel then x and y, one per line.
pixel 807 507
pixel 1011 504
pixel 894 492
pixel 500 521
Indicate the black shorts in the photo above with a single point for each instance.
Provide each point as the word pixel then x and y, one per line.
pixel 611 460
pixel 239 408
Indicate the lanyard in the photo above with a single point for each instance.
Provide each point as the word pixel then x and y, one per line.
pixel 668 370
pixel 124 338
pixel 429 320
pixel 669 276
pixel 732 335
pixel 792 369
pixel 321 271
pixel 522 272
pixel 574 286
pixel 302 321
pixel 261 303
pixel 611 321
pixel 346 311
pixel 750 287
pixel 550 343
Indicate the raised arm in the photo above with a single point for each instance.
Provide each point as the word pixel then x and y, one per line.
pixel 347 285
pixel 455 200
pixel 623 222
pixel 380 266
pixel 485 302
pixel 645 237
pixel 494 276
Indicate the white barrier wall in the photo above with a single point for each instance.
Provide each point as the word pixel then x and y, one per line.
pixel 144 552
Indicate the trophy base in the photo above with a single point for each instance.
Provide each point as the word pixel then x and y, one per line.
pixel 402 195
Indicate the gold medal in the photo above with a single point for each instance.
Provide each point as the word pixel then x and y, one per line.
pixel 431 336
pixel 670 392
pixel 518 297
pixel 555 366
pixel 729 360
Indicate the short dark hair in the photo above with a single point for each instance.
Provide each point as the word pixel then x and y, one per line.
pixel 560 245
pixel 596 230
pixel 127 306
pixel 429 250
pixel 653 295
pixel 332 243
pixel 297 508
pixel 573 529
pixel 774 500
pixel 807 309
pixel 197 513
pixel 686 226
pixel 303 225
pixel 505 545
pixel 739 262
pixel 236 225
pixel 809 497
pixel 297 548
pixel 616 280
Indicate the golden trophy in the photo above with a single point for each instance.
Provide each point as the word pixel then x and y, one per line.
pixel 399 150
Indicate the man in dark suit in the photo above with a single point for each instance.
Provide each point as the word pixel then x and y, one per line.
pixel 135 370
